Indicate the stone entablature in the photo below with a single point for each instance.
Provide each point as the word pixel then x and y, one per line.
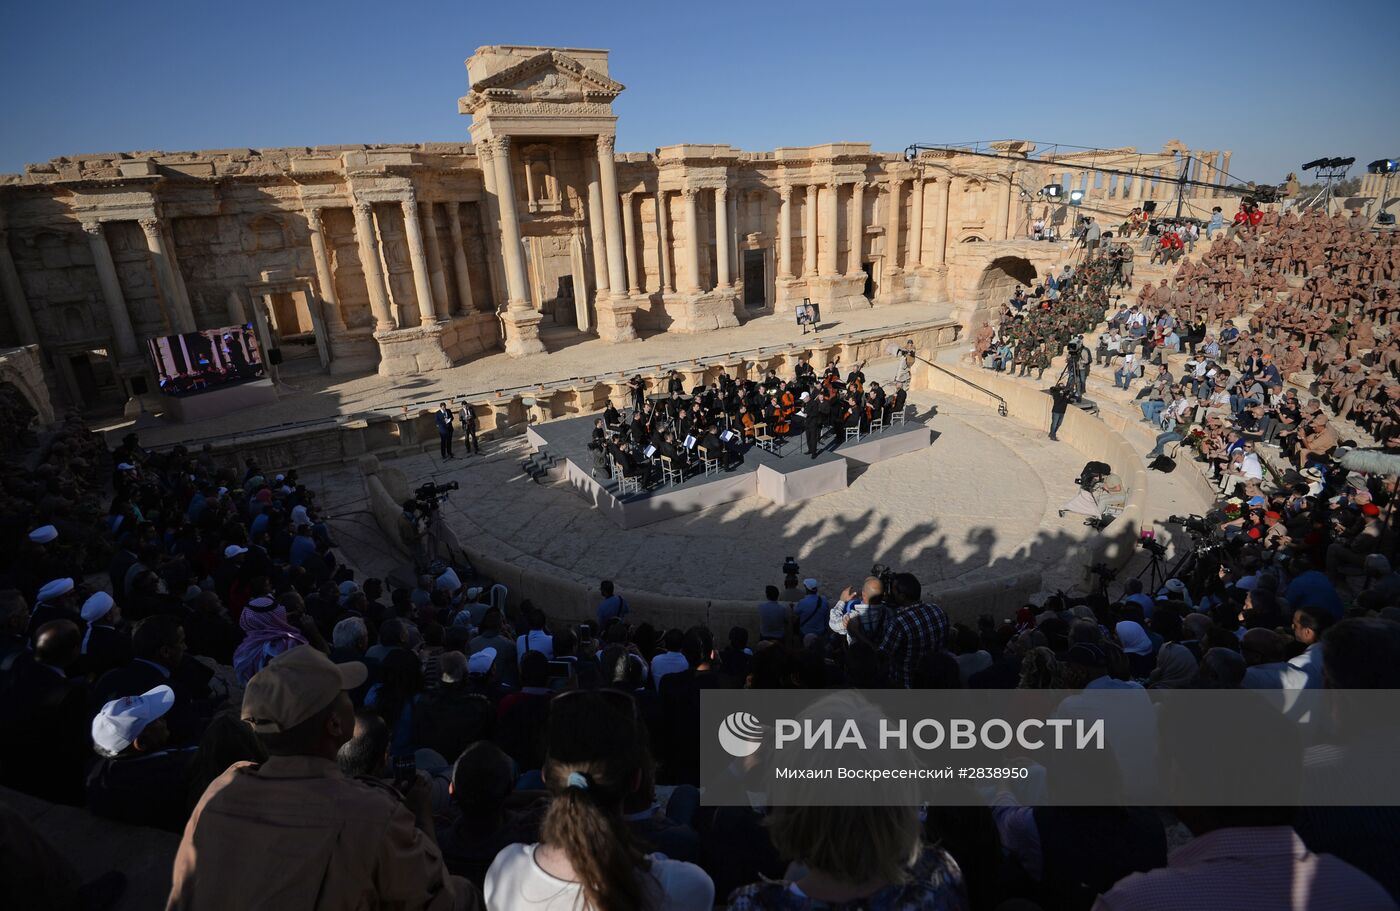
pixel 410 257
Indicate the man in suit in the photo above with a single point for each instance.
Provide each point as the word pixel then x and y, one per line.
pixel 816 409
pixel 469 428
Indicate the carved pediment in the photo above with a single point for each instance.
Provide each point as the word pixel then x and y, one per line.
pixel 550 78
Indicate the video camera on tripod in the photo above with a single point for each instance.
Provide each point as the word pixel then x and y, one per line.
pixel 431 495
pixel 1196 526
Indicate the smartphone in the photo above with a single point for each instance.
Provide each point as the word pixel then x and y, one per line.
pixel 405 772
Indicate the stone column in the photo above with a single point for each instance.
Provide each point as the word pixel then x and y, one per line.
pixel 734 258
pixel 692 240
pixel 521 321
pixel 465 304
pixel 595 231
pixel 722 239
pixel 181 316
pixel 437 269
pixel 15 301
pixel 809 228
pixel 612 216
pixel 490 222
pixel 324 278
pixel 940 225
pixel 629 237
pixel 663 241
pixel 785 232
pixel 1003 205
pixel 1224 177
pixel 916 225
pixel 856 226
pixel 418 256
pixel 374 273
pixel 518 286
pixel 831 216
pixel 894 191
pixel 123 336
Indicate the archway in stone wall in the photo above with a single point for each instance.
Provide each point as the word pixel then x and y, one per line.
pixel 1007 272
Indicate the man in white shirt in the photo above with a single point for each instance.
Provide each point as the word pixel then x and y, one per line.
pixel 670 661
pixel 1126 372
pixel 1303 672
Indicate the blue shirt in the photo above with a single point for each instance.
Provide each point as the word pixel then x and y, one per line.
pixel 611 607
pixel 1314 589
pixel 813 613
pixel 303 549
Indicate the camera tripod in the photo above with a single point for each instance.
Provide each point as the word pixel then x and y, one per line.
pixel 1156 576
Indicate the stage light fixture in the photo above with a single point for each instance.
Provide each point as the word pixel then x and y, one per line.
pixel 1383 166
pixel 1076 197
pixel 1340 162
pixel 1316 163
pixel 1051 190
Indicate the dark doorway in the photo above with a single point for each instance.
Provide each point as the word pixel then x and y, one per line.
pixel 85 377
pixel 869 291
pixel 564 313
pixel 755 281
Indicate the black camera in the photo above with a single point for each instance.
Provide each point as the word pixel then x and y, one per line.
pixel 1152 545
pixel 431 494
pixel 886 577
pixel 1196 525
pixel 790 571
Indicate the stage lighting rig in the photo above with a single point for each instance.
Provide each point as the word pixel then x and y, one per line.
pixel 1051 191
pixel 1076 197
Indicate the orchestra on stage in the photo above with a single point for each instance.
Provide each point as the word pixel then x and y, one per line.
pixel 668 434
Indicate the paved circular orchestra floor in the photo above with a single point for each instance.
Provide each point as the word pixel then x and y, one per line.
pixel 977 504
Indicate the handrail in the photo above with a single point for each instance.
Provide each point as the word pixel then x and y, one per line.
pixel 1001 402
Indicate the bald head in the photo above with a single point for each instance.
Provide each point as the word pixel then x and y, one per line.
pixel 56 643
pixel 872 592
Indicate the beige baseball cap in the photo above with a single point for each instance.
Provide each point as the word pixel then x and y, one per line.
pixel 296 685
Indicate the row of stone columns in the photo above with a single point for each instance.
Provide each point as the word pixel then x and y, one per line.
pixel 425 256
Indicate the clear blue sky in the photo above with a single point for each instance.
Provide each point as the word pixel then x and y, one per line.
pixel 1278 82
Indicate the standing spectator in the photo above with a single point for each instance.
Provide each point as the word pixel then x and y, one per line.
pixel 612 607
pixel 374 849
pixel 774 617
pixel 915 630
pixel 813 611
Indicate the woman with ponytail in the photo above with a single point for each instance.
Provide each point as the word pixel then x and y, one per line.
pixel 587 859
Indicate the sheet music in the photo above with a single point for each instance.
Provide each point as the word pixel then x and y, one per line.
pixel 689 442
pixel 649 451
pixel 727 436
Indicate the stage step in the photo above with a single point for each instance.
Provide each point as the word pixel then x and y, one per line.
pixel 538 465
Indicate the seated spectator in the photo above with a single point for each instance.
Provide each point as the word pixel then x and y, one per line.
pixel 492 815
pixel 586 856
pixel 137 779
pixel 44 719
pixel 380 849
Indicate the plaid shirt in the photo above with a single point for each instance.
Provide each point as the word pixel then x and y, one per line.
pixel 917 630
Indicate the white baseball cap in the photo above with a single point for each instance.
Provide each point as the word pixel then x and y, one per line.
pixel 234 550
pixel 482 661
pixel 122 720
pixel 810 584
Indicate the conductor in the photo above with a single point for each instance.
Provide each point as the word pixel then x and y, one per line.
pixel 817 410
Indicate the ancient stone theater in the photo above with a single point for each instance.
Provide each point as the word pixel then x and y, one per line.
pixel 405 259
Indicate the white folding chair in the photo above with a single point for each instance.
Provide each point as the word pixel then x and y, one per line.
pixel 669 472
pixel 707 461
pixel 853 433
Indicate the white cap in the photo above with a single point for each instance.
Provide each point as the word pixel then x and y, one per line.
pixel 55 588
pixel 122 720
pixel 474 592
pixel 43 534
pixel 809 584
pixel 448 581
pixel 233 550
pixel 97 606
pixel 482 661
pixel 126 466
pixel 347 588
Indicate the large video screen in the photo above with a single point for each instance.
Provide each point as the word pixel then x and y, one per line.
pixel 196 362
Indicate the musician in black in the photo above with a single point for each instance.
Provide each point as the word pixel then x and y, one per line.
pixel 817 412
pixel 611 416
pixel 639 392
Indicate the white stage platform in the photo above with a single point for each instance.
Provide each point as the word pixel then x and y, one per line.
pixel 789 476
